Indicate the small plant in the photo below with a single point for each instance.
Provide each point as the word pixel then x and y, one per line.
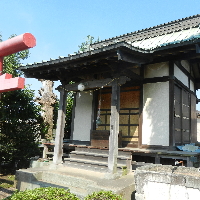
pixel 103 195
pixel 47 193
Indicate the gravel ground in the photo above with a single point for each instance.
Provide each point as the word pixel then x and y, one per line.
pixel 6 192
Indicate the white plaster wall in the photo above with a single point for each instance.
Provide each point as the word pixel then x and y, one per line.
pixel 180 75
pixel 157 70
pixel 192 86
pixel 155 127
pixel 83 115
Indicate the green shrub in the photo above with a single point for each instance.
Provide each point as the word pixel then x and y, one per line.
pixel 47 193
pixel 103 195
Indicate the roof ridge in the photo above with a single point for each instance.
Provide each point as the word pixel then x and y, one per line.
pixel 149 29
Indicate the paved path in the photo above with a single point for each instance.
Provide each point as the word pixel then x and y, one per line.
pixel 6 192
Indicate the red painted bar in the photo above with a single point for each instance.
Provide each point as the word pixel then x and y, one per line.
pixel 7 83
pixel 16 44
pixel 10 46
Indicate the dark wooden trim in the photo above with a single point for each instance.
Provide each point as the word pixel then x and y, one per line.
pixel 140 109
pixel 156 147
pixel 94 111
pixel 171 106
pixel 193 119
pixel 168 78
pixel 129 113
pixel 157 79
pixel 73 116
pixel 106 109
pixel 190 118
pixel 128 125
pixel 181 115
pixel 171 69
pixel 129 136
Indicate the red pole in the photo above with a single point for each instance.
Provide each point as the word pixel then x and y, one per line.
pixel 16 44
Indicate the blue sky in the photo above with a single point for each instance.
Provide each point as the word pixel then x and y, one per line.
pixel 61 25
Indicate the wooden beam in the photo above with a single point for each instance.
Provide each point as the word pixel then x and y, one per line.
pixel 114 128
pixel 171 107
pixel 96 83
pixel 129 73
pixel 58 149
pixel 141 109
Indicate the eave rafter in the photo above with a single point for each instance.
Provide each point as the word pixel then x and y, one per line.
pixel 179 53
pixel 133 58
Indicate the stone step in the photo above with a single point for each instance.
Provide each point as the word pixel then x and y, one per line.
pixel 100 166
pixel 80 182
pixel 103 154
pixel 77 185
pixel 97 157
pixel 102 151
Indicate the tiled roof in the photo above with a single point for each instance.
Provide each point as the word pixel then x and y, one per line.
pixel 146 40
pixel 162 29
pixel 153 43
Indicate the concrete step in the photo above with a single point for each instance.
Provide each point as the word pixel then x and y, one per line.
pixel 77 185
pixel 80 182
pixel 102 151
pixel 97 157
pixel 93 165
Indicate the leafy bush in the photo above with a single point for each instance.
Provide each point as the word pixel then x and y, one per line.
pixel 48 193
pixel 103 195
pixel 20 126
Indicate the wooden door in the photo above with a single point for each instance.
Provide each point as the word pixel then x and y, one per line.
pixel 182 116
pixel 129 113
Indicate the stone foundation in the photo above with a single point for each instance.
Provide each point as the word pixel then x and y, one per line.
pixel 167 182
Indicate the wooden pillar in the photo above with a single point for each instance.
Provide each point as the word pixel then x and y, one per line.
pixel 114 128
pixel 171 107
pixel 58 149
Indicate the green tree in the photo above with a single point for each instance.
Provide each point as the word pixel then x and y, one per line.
pixel 20 119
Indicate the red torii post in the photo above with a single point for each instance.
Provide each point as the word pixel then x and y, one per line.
pixel 10 46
